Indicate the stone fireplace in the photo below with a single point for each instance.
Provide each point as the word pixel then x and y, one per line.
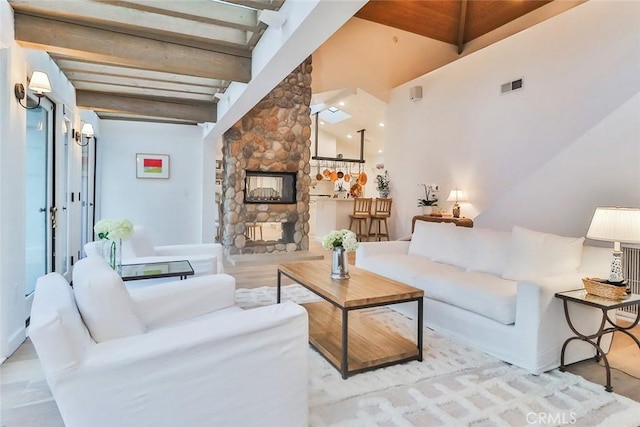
pixel 266 180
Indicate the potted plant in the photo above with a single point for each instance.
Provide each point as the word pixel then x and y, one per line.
pixel 430 200
pixel 383 185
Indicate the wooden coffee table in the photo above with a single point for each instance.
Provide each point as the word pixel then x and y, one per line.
pixel 355 343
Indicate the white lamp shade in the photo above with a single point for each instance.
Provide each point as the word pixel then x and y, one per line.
pixel 87 129
pixel 615 225
pixel 457 195
pixel 39 82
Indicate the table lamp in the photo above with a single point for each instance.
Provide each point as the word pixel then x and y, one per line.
pixel 615 224
pixel 456 195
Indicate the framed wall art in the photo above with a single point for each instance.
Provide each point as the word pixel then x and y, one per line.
pixel 152 166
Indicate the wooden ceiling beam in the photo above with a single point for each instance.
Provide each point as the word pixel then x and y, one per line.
pixel 461 25
pixel 142 83
pixel 127 50
pixel 199 112
pixel 132 21
pixel 80 65
pixel 196 10
pixel 138 91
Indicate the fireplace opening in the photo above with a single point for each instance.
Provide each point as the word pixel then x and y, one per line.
pixel 265 233
pixel 270 187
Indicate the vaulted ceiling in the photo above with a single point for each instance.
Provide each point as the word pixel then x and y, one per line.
pixel 163 60
pixel 451 21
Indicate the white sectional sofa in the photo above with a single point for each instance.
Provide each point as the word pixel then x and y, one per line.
pixel 494 290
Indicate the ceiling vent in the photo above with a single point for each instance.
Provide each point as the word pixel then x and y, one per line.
pixel 511 86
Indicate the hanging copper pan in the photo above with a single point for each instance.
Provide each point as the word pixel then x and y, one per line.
pixel 319 177
pixel 326 173
pixel 340 175
pixel 362 178
pixel 333 176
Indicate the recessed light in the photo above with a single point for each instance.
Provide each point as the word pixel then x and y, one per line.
pixel 342 103
pixel 380 151
pixel 349 136
pixel 381 124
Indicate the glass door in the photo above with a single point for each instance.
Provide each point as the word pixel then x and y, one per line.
pixel 40 212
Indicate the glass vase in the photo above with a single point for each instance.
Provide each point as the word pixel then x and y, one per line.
pixel 115 255
pixel 339 264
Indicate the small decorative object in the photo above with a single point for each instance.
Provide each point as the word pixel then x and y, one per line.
pixel 456 195
pixel 152 166
pixel 341 242
pixel 430 200
pixel 341 192
pixel 383 185
pixel 615 224
pixel 115 231
pixel 604 288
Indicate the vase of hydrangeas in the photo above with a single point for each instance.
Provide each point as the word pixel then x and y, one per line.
pixel 113 232
pixel 340 242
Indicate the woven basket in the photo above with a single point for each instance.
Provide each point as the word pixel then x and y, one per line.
pixel 594 287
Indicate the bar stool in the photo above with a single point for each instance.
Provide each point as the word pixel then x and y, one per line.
pixel 380 214
pixel 361 214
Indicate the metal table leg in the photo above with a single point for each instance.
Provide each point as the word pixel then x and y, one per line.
pixel 344 368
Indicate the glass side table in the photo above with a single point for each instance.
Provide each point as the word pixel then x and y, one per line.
pixel 154 270
pixel 580 296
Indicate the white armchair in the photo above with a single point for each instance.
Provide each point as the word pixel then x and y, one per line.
pixel 177 353
pixel 205 258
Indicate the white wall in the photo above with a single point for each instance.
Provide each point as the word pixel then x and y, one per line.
pixel 543 157
pixel 170 209
pixel 15 64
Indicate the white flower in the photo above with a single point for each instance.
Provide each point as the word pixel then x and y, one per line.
pixel 114 229
pixel 340 239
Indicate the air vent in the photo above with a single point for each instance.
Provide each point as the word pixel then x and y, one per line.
pixel 511 86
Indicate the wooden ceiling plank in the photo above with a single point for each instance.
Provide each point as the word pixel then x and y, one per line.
pixel 129 90
pixel 123 49
pixel 110 17
pixel 461 25
pixel 89 77
pixel 68 64
pixel 197 112
pixel 434 19
pixel 197 10
pixel 486 16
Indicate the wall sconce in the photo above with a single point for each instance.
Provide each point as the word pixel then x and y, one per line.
pixel 87 131
pixel 39 83
pixel 456 195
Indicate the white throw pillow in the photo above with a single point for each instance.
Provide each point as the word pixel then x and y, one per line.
pixel 427 238
pixel 488 250
pixel 534 254
pixel 103 301
pixel 453 246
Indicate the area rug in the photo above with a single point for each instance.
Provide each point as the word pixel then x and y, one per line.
pixel 454 385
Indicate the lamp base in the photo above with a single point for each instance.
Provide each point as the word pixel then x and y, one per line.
pixel 456 210
pixel 615 274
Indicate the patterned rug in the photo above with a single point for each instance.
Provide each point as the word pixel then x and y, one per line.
pixel 453 386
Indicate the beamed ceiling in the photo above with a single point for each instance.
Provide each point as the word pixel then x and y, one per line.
pixel 161 60
pixel 146 59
